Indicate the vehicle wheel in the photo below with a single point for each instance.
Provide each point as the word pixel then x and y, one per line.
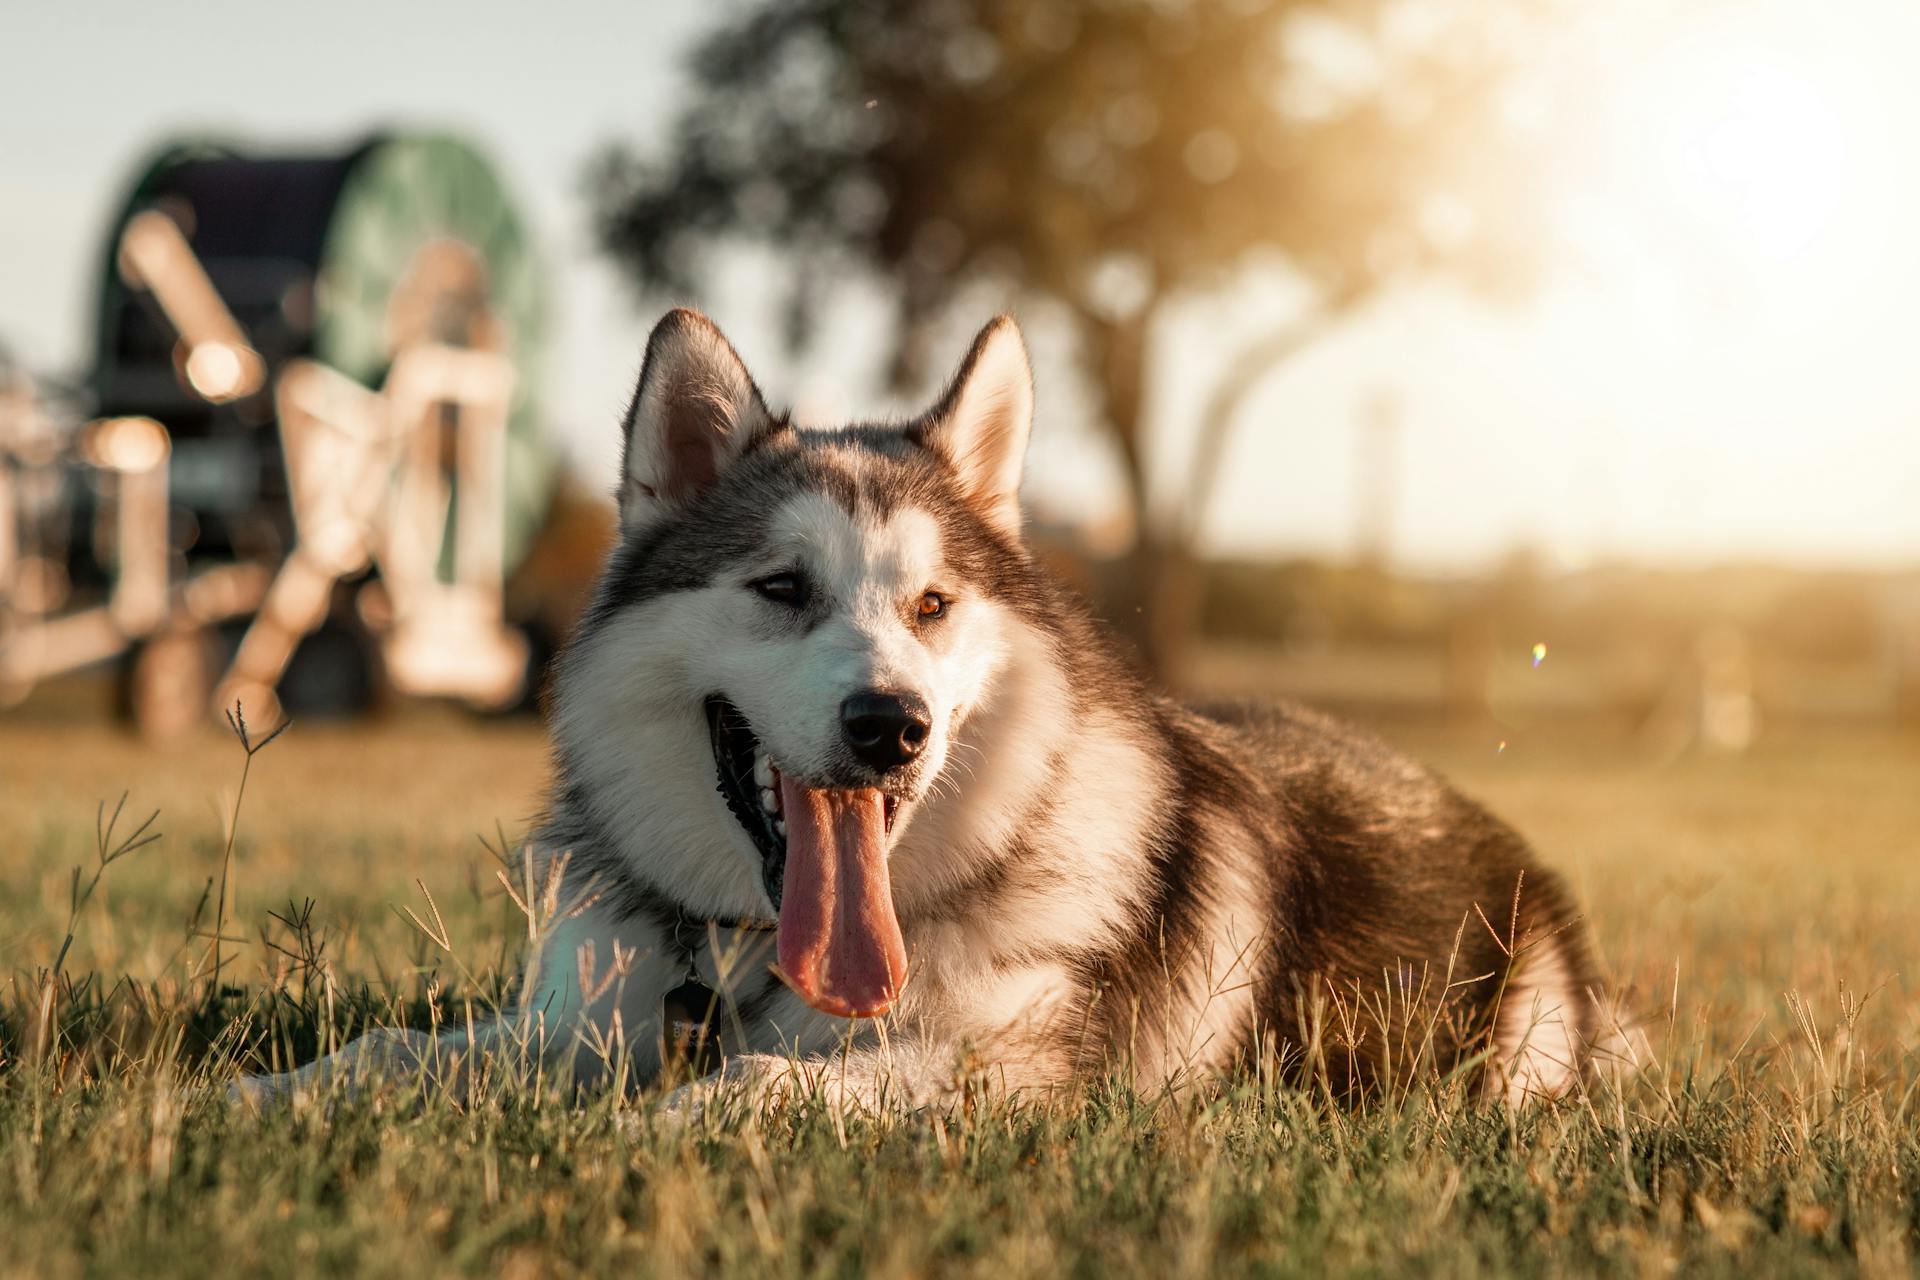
pixel 541 649
pixel 334 672
pixel 170 682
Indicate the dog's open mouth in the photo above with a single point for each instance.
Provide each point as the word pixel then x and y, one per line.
pixel 823 861
pixel 750 785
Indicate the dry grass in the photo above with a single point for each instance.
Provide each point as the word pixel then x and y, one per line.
pixel 1763 912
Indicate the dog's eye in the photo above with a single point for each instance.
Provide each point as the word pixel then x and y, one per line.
pixel 783 588
pixel 933 605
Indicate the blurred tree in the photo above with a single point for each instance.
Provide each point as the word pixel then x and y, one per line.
pixel 1109 156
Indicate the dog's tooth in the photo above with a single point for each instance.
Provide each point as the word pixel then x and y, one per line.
pixel 780 825
pixel 763 771
pixel 769 800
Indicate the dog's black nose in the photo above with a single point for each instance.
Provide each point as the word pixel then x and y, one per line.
pixel 885 730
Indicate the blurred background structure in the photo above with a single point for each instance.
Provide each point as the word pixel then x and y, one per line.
pixel 311 454
pixel 1508 362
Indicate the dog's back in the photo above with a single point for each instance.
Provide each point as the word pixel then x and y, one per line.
pixel 1408 929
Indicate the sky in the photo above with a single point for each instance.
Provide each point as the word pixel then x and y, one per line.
pixel 1722 370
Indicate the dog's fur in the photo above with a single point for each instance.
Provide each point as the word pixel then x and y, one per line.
pixel 1088 877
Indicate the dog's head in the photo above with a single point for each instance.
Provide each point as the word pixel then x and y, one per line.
pixel 818 611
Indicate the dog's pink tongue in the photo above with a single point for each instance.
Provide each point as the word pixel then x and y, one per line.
pixel 840 944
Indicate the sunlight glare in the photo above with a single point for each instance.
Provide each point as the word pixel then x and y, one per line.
pixel 1749 142
pixel 1754 149
pixel 1743 170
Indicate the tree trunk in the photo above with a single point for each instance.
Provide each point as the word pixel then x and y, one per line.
pixel 1157 602
pixel 1119 349
pixel 1175 573
pixel 1249 369
pixel 907 371
pixel 1122 355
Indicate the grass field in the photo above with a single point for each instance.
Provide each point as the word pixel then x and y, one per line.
pixel 1762 913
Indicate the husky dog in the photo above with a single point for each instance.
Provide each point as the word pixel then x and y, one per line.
pixel 846 784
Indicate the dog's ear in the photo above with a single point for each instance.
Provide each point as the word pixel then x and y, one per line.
pixel 693 412
pixel 981 425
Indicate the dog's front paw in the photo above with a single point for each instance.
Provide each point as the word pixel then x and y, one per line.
pixel 748 1081
pixel 259 1093
pixel 682 1107
pixel 382 1058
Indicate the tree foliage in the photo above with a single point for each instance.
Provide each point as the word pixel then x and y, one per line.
pixel 1109 155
